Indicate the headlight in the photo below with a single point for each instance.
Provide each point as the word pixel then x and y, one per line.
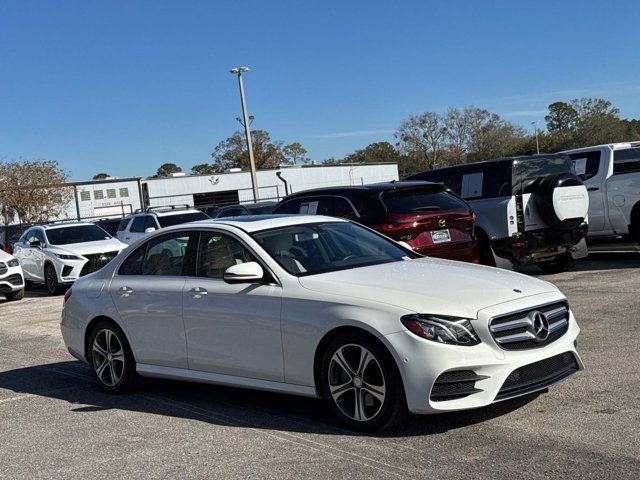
pixel 13 262
pixel 442 328
pixel 67 257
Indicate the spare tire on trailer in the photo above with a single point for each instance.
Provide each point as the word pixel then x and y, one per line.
pixel 562 201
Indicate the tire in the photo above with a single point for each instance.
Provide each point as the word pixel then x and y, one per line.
pixel 545 204
pixel 559 264
pixel 51 280
pixel 485 254
pixel 369 396
pixel 110 358
pixel 13 296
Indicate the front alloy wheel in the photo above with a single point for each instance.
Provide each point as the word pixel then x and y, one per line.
pixel 356 382
pixel 360 381
pixel 51 280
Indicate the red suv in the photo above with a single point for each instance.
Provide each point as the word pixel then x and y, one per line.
pixel 429 217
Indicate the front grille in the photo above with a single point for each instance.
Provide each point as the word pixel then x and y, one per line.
pixel 455 384
pixel 538 375
pixel 525 329
pixel 3 268
pixel 96 262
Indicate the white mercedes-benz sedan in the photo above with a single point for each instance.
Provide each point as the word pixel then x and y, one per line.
pixel 319 307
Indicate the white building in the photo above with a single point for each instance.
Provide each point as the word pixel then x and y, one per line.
pixel 115 197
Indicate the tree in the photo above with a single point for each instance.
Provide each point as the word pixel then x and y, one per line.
pixel 562 117
pixel 378 152
pixel 101 176
pixel 423 138
pixel 295 153
pixel 166 169
pixel 203 169
pixel 34 190
pixel 232 152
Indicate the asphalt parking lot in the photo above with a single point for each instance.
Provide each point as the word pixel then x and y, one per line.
pixel 54 423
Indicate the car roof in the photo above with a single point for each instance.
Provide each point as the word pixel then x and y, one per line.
pixel 51 226
pixel 256 223
pixel 613 146
pixel 372 187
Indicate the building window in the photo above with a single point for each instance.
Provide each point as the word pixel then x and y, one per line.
pixel 124 192
pixel 111 193
pixel 85 195
pixel 98 194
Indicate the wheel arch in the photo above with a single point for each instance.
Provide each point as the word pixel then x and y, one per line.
pixel 341 330
pixel 91 325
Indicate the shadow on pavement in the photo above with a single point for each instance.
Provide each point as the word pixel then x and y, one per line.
pixel 608 261
pixel 70 381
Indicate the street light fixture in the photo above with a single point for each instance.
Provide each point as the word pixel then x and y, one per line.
pixel 247 131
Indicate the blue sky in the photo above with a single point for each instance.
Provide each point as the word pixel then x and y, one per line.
pixel 123 86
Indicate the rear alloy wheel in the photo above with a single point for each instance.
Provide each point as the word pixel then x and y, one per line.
pixel 361 383
pixel 51 280
pixel 559 264
pixel 110 358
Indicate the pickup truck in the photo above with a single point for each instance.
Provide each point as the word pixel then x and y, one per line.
pixel 611 174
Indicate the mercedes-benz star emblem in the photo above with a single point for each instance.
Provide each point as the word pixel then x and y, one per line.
pixel 442 222
pixel 539 326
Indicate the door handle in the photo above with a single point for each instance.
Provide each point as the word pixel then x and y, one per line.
pixel 198 292
pixel 592 189
pixel 125 291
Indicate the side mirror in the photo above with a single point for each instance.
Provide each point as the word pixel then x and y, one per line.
pixel 405 245
pixel 149 230
pixel 250 272
pixel 35 244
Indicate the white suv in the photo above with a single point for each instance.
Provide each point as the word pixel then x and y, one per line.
pixel 136 226
pixel 59 253
pixel 611 174
pixel 11 277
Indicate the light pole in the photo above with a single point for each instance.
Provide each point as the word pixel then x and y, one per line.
pixel 535 127
pixel 247 131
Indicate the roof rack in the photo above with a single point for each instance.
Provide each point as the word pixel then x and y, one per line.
pixel 167 208
pixel 62 222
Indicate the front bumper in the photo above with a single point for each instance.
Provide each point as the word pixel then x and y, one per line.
pixel 12 280
pixel 421 362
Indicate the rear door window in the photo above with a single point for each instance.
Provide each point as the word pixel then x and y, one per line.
pixel 122 226
pixel 317 206
pixel 150 222
pixel 138 224
pixel 626 161
pixel 586 164
pixel 342 208
pixel 421 200
pixel 288 207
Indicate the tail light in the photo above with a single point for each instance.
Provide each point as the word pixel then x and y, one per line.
pixel 67 295
pixel 392 227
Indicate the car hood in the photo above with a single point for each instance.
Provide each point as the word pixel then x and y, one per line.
pixel 428 285
pixel 4 256
pixel 88 248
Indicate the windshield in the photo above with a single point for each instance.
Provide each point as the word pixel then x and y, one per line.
pixel 76 234
pixel 327 247
pixel 169 220
pixel 421 200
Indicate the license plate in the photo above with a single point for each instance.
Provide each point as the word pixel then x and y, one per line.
pixel 440 236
